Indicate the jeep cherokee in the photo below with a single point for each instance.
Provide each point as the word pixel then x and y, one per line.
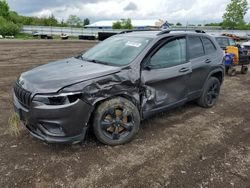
pixel 117 83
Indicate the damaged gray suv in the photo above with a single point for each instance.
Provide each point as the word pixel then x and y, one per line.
pixel 117 83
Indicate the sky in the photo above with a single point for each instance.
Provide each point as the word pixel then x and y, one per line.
pixel 184 11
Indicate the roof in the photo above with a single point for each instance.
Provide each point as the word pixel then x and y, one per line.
pixel 135 23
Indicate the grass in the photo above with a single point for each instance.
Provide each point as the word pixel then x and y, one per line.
pixel 15 124
pixel 25 36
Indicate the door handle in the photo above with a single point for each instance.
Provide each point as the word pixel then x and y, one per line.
pixel 207 61
pixel 184 69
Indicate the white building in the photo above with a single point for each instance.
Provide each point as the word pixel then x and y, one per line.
pixel 137 24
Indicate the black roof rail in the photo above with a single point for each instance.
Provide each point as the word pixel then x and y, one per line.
pixel 134 30
pixel 185 30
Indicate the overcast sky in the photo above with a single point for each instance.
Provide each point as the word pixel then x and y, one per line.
pixel 191 11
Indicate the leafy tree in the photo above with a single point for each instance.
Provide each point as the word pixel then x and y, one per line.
pixel 8 27
pixel 86 21
pixel 123 24
pixel 235 12
pixel 178 24
pixel 4 8
pixel 214 24
pixel 117 25
pixel 127 24
pixel 73 20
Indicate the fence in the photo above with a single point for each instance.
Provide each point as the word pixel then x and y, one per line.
pixel 94 32
pixel 67 30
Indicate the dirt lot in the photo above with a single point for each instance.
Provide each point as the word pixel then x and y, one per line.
pixel 186 147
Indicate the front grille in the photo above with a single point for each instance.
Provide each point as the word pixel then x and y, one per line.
pixel 22 95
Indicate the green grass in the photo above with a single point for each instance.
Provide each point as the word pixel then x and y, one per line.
pixel 24 36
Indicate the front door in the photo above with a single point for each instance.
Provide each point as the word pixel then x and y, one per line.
pixel 165 76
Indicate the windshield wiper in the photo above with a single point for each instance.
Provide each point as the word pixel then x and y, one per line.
pixel 99 62
pixel 95 61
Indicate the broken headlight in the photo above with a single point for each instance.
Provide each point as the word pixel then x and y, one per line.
pixel 60 99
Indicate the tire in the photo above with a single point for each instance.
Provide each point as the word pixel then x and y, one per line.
pixel 116 121
pixel 210 93
pixel 244 70
pixel 231 72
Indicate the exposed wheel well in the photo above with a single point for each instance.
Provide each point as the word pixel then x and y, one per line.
pixel 218 75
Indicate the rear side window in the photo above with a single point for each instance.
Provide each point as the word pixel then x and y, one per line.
pixel 195 47
pixel 208 45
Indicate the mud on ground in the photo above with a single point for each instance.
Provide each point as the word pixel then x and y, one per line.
pixel 185 147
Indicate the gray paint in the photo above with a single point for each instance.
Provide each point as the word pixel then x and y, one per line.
pixel 151 90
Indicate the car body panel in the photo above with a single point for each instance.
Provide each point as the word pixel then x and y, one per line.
pixel 50 78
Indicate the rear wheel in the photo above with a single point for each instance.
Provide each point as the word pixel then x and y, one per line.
pixel 210 93
pixel 116 121
pixel 244 70
pixel 231 72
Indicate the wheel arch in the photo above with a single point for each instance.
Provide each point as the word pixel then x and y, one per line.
pixel 100 101
pixel 217 73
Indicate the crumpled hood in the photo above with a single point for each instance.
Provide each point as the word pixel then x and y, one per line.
pixel 52 77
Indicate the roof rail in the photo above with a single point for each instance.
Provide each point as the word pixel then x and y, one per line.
pixel 133 30
pixel 185 30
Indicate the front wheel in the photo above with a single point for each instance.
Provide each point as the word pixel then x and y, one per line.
pixel 116 121
pixel 210 93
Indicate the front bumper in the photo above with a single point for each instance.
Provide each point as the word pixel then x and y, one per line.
pixel 55 123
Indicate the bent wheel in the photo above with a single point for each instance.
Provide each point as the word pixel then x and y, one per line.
pixel 116 121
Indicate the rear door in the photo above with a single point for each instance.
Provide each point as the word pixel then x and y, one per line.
pixel 165 75
pixel 200 63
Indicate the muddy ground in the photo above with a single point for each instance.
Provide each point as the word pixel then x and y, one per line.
pixel 185 147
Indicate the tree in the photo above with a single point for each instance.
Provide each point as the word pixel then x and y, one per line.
pixel 117 25
pixel 127 24
pixel 86 21
pixel 235 12
pixel 8 27
pixel 4 9
pixel 123 24
pixel 73 20
pixel 178 24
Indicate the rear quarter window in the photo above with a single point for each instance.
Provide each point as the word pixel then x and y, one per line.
pixel 195 47
pixel 208 45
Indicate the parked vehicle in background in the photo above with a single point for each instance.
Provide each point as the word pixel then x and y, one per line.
pixel 236 55
pixel 1 37
pixel 64 36
pixel 119 82
pixel 224 41
pixel 35 34
pixel 246 45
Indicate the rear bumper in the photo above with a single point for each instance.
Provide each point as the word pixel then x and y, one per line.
pixel 56 123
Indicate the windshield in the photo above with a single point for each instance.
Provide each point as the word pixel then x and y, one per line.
pixel 117 51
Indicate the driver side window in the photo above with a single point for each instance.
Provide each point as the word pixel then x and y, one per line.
pixel 171 54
